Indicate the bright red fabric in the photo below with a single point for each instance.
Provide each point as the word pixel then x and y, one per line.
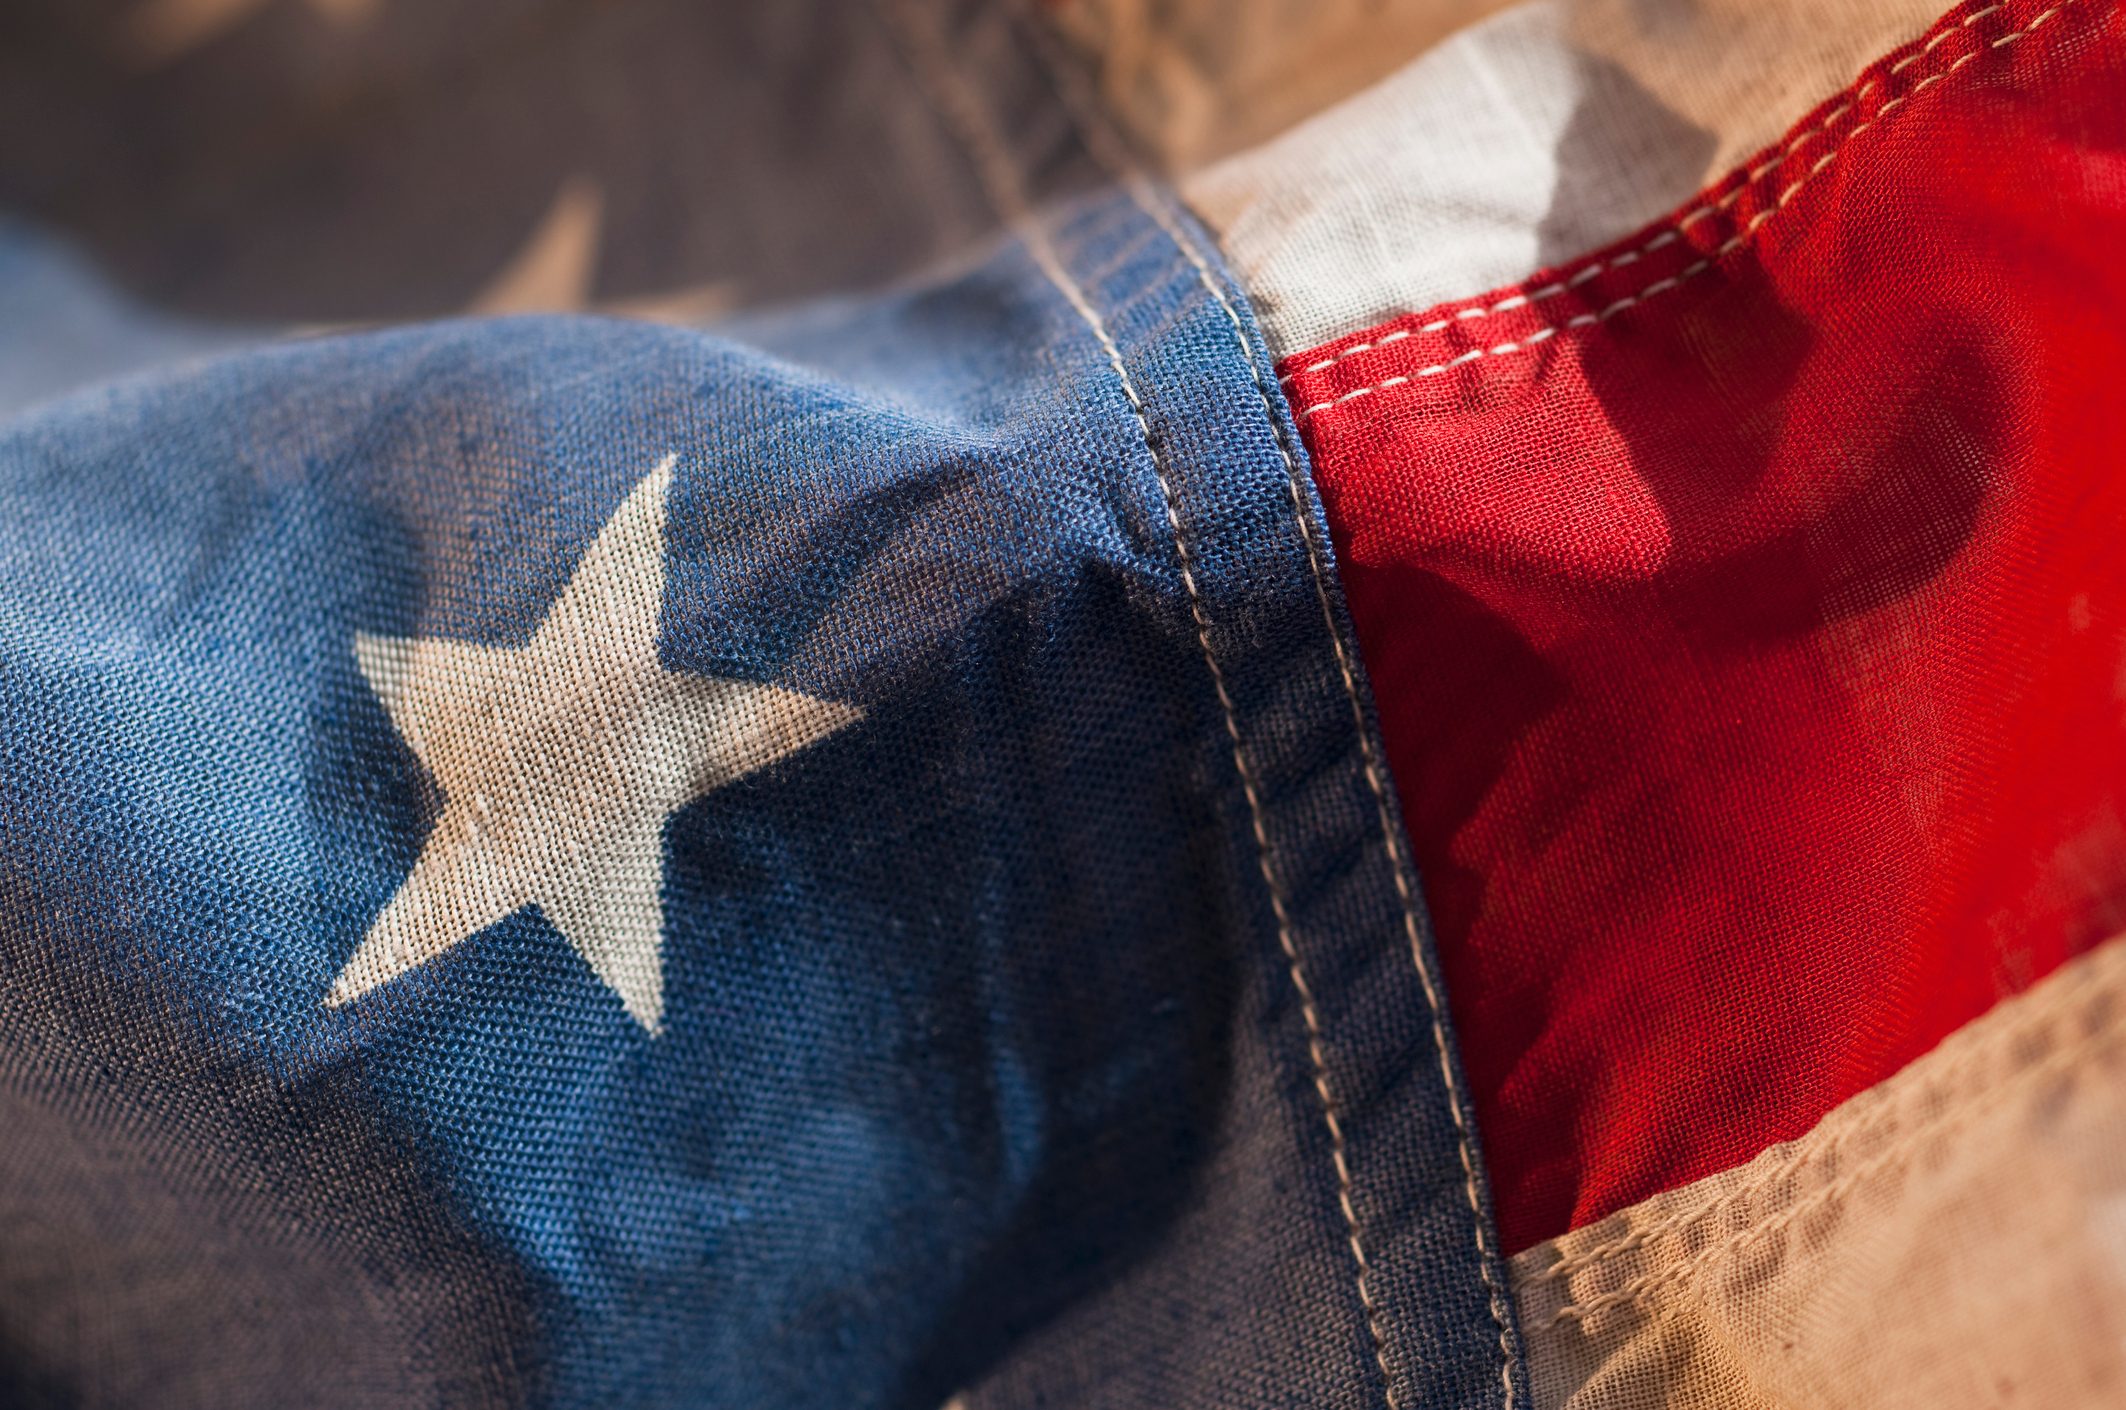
pixel 1751 653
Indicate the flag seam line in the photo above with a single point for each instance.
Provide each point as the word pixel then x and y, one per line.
pixel 1005 191
pixel 1895 1158
pixel 1110 151
pixel 1968 1074
pixel 1701 209
pixel 1661 286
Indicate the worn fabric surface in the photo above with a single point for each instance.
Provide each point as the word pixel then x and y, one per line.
pixel 1954 1237
pixel 1747 611
pixel 312 161
pixel 813 829
pixel 1192 81
pixel 838 860
pixel 1527 140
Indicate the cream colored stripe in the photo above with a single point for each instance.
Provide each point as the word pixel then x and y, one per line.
pixel 1195 80
pixel 1525 141
pixel 1953 1237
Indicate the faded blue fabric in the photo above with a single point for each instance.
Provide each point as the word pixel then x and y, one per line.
pixel 63 327
pixel 311 162
pixel 985 1063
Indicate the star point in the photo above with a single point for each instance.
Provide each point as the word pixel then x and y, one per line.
pixel 559 763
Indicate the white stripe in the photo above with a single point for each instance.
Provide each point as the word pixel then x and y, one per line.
pixel 1525 141
pixel 1951 1239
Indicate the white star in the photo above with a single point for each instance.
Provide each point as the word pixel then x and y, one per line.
pixel 555 269
pixel 559 762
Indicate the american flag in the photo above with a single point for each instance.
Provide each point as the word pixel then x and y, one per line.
pixel 1109 703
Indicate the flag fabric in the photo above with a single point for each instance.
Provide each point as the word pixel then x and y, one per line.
pixel 1116 703
pixel 1734 591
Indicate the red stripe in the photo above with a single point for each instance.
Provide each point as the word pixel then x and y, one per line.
pixel 1747 611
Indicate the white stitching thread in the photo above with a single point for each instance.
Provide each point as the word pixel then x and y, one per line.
pixel 1670 235
pixel 1937 1117
pixel 1666 237
pixel 1377 783
pixel 1112 153
pixel 1005 192
pixel 1968 1078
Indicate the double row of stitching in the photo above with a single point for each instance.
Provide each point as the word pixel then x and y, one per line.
pixel 1744 184
pixel 2048 1043
pixel 1376 781
pixel 1968 1075
pixel 1703 210
pixel 1109 149
pixel 1001 182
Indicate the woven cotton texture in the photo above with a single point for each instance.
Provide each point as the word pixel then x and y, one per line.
pixel 841 859
pixel 1950 1240
pixel 1521 141
pixel 1746 607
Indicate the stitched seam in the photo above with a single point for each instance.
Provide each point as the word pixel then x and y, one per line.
pixel 1970 1072
pixel 1691 215
pixel 1377 783
pixel 1894 1159
pixel 1007 194
pixel 1111 153
pixel 1662 286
